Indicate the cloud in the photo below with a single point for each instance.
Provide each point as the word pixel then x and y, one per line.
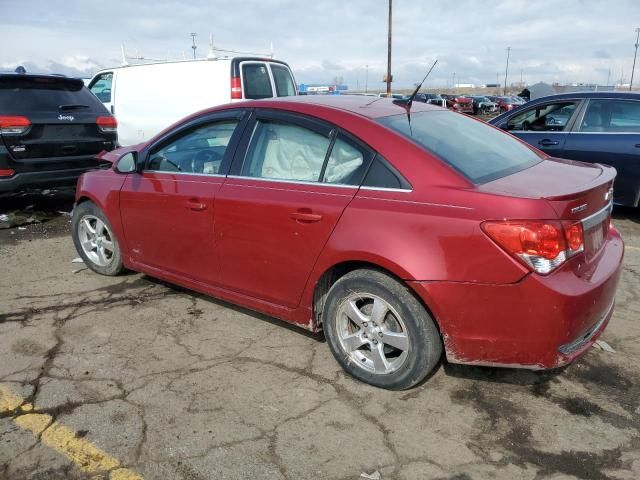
pixel 331 38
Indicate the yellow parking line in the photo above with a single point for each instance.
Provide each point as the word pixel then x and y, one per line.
pixel 80 451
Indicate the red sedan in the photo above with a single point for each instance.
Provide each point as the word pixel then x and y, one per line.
pixel 401 238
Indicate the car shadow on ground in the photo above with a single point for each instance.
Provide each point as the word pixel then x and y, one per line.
pixel 626 213
pixel 319 336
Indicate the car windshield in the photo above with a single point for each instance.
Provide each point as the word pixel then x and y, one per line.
pixel 480 152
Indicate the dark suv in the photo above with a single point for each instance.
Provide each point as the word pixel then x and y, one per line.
pixel 51 128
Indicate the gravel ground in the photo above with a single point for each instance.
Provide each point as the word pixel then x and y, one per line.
pixel 128 378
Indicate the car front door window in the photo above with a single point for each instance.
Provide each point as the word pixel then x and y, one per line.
pixel 199 151
pixel 550 117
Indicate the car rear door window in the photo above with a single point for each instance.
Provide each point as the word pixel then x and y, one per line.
pixel 284 151
pixel 617 116
pixel 283 81
pixel 101 87
pixel 346 164
pixel 256 81
pixel 548 117
pixel 198 151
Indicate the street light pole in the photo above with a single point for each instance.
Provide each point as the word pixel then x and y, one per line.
pixel 366 79
pixel 506 70
pixel 389 54
pixel 634 58
pixel 194 46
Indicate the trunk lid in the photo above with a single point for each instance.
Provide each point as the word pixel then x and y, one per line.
pixel 576 191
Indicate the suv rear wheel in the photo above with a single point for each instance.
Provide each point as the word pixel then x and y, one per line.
pixel 94 240
pixel 379 332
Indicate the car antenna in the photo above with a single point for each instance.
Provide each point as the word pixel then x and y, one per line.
pixel 407 102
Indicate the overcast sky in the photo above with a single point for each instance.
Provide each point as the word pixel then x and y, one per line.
pixel 551 40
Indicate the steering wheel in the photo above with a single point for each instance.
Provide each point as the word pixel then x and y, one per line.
pixel 203 157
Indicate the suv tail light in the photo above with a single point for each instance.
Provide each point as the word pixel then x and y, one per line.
pixel 542 246
pixel 14 125
pixel 236 88
pixel 107 124
pixel 6 172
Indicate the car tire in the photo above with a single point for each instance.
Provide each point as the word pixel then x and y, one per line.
pixel 379 332
pixel 95 241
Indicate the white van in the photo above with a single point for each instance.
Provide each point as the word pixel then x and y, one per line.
pixel 147 98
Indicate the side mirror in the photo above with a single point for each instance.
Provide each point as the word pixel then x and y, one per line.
pixel 127 163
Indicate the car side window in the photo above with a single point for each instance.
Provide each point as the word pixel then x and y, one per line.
pixel 619 116
pixel 383 175
pixel 285 151
pixel 549 117
pixel 346 164
pixel 101 87
pixel 199 150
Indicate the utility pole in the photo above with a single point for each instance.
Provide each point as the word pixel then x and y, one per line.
pixel 366 78
pixel 453 80
pixel 194 46
pixel 634 58
pixel 506 70
pixel 608 78
pixel 389 54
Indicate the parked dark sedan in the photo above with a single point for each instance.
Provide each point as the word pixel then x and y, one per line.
pixel 596 127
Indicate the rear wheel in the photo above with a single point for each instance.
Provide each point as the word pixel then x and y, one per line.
pixel 379 332
pixel 94 240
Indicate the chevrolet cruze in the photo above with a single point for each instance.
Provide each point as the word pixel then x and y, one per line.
pixel 403 237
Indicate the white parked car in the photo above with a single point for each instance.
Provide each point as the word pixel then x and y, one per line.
pixel 145 99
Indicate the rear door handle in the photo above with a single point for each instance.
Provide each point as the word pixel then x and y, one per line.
pixel 305 216
pixel 548 143
pixel 196 205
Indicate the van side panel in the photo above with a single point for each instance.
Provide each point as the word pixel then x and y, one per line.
pixel 149 98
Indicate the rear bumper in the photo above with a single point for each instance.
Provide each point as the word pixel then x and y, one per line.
pixel 53 178
pixel 541 322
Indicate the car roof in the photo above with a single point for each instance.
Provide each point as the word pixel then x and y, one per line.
pixel 609 94
pixel 40 76
pixel 360 105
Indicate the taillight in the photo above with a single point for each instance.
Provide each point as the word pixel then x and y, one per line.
pixel 107 124
pixel 236 88
pixel 540 245
pixel 14 125
pixel 6 172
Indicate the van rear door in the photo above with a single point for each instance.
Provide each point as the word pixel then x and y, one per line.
pixel 254 78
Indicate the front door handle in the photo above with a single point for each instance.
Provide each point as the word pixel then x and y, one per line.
pixel 196 205
pixel 304 215
pixel 548 143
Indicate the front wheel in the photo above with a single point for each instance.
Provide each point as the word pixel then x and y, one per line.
pixel 379 332
pixel 94 240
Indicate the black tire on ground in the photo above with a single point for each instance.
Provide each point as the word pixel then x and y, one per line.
pixel 425 345
pixel 114 266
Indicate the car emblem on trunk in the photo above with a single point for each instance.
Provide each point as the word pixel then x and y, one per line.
pixel 579 208
pixel 608 195
pixel 71 118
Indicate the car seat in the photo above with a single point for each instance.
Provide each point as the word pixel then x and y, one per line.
pixel 592 121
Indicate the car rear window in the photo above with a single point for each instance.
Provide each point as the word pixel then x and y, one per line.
pixel 23 95
pixel 283 81
pixel 256 81
pixel 480 152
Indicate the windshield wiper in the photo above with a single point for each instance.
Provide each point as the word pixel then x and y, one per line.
pixel 407 102
pixel 73 106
